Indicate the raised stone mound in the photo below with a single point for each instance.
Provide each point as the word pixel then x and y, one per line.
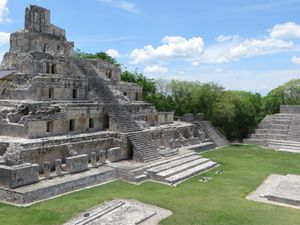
pixel 121 212
pixel 279 190
pixel 279 131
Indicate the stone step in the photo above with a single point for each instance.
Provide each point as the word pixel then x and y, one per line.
pixel 284 149
pixel 271 131
pixel 175 179
pixel 161 162
pixel 269 136
pixel 203 146
pixel 175 170
pixel 284 143
pixel 251 141
pixel 277 122
pixel 168 152
pixel 172 164
pixel 273 126
pixel 140 178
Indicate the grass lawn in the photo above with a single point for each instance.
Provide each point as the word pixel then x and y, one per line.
pixel 220 201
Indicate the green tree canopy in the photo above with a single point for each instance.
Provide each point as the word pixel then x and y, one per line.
pixel 148 84
pixel 286 94
pixel 98 55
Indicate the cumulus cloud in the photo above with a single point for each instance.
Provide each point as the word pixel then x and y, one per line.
pixel 172 47
pixel 296 60
pixel 227 48
pixel 286 30
pixel 113 53
pixel 3 11
pixel 125 5
pixel 155 69
pixel 4 38
pixel 224 53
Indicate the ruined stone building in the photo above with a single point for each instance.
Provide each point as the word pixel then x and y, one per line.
pixel 60 115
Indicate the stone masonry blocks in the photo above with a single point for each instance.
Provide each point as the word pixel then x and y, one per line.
pixel 114 154
pixel 19 175
pixel 102 156
pixel 77 163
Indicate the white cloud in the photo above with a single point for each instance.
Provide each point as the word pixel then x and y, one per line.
pixel 195 63
pixel 113 53
pixel 3 11
pixel 127 6
pixel 286 30
pixel 173 47
pixel 255 47
pixel 296 60
pixel 4 38
pixel 230 51
pixel 224 38
pixel 155 69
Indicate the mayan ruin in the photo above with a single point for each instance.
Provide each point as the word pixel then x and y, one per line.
pixel 132 112
pixel 62 115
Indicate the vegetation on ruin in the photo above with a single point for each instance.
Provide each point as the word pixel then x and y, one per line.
pixel 98 55
pixel 220 201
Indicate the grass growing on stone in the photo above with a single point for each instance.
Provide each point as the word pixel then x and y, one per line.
pixel 220 201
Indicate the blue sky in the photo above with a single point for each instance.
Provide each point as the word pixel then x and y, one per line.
pixel 247 45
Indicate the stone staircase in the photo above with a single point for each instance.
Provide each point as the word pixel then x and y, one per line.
pixel 279 131
pixel 213 133
pixel 286 146
pixel 119 117
pixel 143 147
pixel 174 170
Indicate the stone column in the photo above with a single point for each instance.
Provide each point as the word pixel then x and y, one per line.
pixel 47 169
pixel 58 167
pixel 93 159
pixel 102 156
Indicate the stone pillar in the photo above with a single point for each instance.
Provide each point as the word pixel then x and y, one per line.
pixel 58 167
pixel 102 156
pixel 93 159
pixel 47 169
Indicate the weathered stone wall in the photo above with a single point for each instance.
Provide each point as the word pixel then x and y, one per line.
pixel 165 118
pixel 19 175
pixel 13 130
pixel 108 71
pixel 81 116
pixel 133 91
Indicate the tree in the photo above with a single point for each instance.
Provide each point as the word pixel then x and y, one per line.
pixel 98 55
pixel 286 94
pixel 148 85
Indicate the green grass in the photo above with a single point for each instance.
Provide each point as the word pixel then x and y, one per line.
pixel 220 201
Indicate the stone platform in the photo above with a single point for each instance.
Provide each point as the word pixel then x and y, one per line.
pixel 121 212
pixel 49 188
pixel 170 170
pixel 281 190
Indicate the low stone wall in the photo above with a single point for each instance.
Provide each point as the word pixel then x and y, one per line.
pixel 19 175
pixel 290 109
pixel 165 118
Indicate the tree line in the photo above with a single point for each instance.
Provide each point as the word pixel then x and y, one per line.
pixel 235 113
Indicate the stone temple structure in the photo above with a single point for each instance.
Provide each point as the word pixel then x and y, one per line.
pixel 280 131
pixel 67 123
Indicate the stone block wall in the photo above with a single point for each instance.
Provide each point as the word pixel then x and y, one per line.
pixel 165 118
pixel 133 91
pixel 19 175
pixel 78 163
